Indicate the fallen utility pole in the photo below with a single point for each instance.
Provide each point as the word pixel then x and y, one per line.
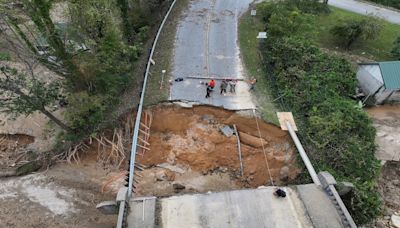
pixel 215 78
pixel 239 149
pixel 286 121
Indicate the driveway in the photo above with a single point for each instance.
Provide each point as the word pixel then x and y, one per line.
pixel 206 47
pixel 365 8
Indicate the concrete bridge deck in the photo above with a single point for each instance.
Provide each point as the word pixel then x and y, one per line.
pixel 305 206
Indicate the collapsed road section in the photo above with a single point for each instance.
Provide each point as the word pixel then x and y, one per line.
pixel 196 149
pixel 235 161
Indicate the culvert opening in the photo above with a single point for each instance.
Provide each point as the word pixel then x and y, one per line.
pixel 190 154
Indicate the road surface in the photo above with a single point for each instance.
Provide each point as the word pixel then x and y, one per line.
pixel 207 46
pixel 304 206
pixel 366 9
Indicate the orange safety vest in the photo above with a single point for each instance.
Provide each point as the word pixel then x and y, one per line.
pixel 212 83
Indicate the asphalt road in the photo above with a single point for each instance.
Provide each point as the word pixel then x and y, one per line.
pixel 206 46
pixel 365 8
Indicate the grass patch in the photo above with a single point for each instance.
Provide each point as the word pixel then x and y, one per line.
pixel 249 27
pixel 163 56
pixel 4 56
pixel 378 49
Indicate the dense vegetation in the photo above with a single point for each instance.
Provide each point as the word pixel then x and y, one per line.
pixel 317 87
pixel 93 55
pixel 391 3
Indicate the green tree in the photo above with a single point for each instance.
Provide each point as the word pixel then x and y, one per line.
pixel 126 19
pixel 351 31
pixel 107 65
pixel 57 58
pixel 22 94
pixel 39 12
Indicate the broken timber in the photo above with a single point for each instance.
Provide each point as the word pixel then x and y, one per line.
pixel 144 132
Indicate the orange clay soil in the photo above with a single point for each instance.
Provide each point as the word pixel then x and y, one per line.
pixel 191 140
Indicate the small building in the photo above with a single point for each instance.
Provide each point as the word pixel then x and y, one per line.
pixel 380 82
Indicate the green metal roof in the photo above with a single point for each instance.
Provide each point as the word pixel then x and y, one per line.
pixel 391 74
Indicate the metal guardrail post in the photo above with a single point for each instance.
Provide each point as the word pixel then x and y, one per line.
pixel 346 214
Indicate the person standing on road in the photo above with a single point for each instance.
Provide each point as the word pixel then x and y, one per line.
pixel 253 84
pixel 223 86
pixel 232 85
pixel 208 91
pixel 210 87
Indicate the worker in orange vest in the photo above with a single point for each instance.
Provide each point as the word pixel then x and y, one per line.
pixel 210 87
pixel 211 83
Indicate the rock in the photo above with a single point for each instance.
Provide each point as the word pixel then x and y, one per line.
pixel 160 176
pixel 170 176
pixel 207 118
pixel 381 223
pixel 252 140
pixel 165 175
pixel 175 169
pixel 288 157
pixel 344 187
pixel 284 173
pixel 178 187
pixel 226 130
pixel 280 159
pixel 395 220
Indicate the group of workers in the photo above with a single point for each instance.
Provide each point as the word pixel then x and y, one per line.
pixel 224 85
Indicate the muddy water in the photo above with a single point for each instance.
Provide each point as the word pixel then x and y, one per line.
pixel 386 120
pixel 191 140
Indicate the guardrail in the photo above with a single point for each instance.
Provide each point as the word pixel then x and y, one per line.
pixel 121 216
pixel 328 184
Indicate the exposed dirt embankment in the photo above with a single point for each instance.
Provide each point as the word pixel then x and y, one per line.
pixel 190 143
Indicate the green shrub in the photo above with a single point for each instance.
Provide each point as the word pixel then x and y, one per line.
pixel 4 56
pixel 268 8
pixel 396 49
pixel 351 31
